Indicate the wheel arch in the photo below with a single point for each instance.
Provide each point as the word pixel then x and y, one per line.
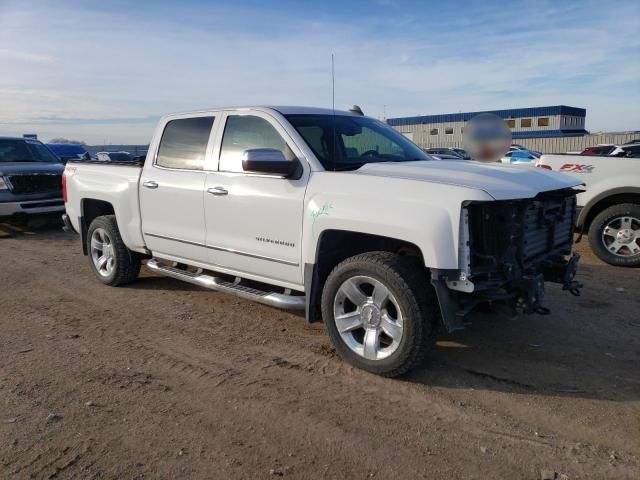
pixel 605 200
pixel 90 209
pixel 333 247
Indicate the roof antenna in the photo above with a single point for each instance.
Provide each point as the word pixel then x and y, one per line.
pixel 333 86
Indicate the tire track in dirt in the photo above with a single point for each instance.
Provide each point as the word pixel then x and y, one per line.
pixel 259 392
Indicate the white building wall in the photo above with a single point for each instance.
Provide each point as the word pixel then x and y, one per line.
pixel 422 133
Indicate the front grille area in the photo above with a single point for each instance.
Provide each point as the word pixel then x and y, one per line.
pixel 36 183
pixel 508 239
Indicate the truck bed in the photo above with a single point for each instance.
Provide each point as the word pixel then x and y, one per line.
pixel 91 184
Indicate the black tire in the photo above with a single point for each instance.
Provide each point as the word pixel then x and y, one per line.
pixel 126 264
pixel 409 284
pixel 596 230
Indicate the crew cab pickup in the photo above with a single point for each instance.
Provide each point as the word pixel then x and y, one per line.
pixel 30 178
pixel 333 213
pixel 610 205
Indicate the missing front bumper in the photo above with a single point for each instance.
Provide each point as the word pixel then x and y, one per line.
pixel 522 295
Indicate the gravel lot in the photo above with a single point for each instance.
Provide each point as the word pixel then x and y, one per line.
pixel 161 379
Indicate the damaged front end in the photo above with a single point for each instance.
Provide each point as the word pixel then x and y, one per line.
pixel 508 249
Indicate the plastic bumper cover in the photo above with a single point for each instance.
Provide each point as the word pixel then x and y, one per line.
pixel 31 207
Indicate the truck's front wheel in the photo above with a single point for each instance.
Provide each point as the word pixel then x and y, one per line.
pixel 614 235
pixel 112 262
pixel 380 312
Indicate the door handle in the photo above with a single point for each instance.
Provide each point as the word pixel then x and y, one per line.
pixel 218 191
pixel 150 184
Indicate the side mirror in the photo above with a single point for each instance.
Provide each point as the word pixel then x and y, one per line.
pixel 268 161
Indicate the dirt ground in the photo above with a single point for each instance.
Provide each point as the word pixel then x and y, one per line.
pixel 161 379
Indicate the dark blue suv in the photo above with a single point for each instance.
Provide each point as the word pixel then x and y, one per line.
pixel 30 178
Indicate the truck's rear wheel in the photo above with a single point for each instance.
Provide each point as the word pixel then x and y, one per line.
pixel 380 311
pixel 614 235
pixel 112 262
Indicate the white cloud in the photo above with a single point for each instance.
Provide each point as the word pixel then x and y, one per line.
pixel 67 61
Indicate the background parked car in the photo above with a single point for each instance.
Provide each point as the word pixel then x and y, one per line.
pixel 603 149
pixel 441 156
pixel 628 150
pixel 520 157
pixel 515 146
pixel 462 152
pixel 114 157
pixel 443 151
pixel 30 178
pixel 68 151
pixel 609 208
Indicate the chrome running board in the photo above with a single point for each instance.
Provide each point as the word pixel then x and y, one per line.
pixel 278 300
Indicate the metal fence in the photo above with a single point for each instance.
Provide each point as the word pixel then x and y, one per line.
pixel 545 145
pixel 576 144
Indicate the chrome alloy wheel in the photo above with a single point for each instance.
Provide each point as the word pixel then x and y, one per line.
pixel 621 236
pixel 368 317
pixel 102 252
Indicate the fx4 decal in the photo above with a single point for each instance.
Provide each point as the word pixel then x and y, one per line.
pixel 576 168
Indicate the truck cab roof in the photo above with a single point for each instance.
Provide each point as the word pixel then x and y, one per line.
pixel 283 109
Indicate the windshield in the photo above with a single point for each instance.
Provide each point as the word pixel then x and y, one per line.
pixel 343 142
pixel 17 150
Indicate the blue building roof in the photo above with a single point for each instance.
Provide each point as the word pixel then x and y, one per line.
pixel 548 133
pixel 510 113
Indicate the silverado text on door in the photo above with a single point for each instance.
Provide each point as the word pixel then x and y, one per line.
pixel 331 212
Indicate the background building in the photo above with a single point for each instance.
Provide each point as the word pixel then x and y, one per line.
pixel 552 129
pixel 539 122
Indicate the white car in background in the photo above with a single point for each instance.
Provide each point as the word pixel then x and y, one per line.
pixel 609 209
pixel 114 157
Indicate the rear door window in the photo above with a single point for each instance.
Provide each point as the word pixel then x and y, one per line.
pixel 184 143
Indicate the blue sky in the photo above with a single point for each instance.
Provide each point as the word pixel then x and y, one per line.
pixel 107 70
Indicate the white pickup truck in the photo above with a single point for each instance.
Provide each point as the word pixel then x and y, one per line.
pixel 610 205
pixel 332 212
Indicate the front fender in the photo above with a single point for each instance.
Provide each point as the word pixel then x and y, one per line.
pixel 424 214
